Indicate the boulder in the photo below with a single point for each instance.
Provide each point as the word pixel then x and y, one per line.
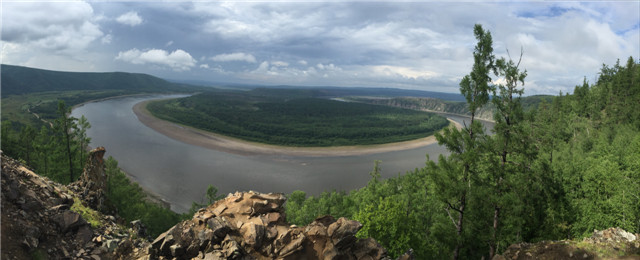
pixel 251 225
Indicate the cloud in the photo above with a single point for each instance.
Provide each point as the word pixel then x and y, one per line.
pixel 178 60
pixel 107 39
pixel 130 18
pixel 419 45
pixel 280 63
pixel 52 26
pixel 236 56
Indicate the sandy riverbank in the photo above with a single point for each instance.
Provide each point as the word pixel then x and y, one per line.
pixel 233 145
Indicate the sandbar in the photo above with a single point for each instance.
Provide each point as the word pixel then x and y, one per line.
pixel 228 144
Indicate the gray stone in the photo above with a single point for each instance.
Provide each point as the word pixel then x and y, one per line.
pixel 220 227
pixel 69 220
pixel 176 250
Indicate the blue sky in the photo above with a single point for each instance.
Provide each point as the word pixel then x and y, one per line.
pixel 414 45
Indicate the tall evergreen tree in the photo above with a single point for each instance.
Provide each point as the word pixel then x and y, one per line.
pixel 508 142
pixel 64 125
pixel 454 175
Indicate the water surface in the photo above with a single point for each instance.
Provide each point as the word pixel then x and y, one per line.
pixel 179 173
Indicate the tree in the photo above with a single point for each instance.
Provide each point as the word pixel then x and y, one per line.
pixel 456 171
pixel 508 143
pixel 27 136
pixel 64 125
pixel 82 138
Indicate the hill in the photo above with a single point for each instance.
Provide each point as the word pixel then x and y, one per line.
pixel 17 80
pixel 30 96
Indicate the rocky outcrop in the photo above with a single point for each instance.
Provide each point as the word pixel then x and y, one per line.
pixel 612 243
pixel 92 185
pixel 251 225
pixel 44 220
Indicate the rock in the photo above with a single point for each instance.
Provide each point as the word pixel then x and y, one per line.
pixel 219 227
pixel 93 181
pixel 138 228
pixel 230 248
pixel 69 220
pixel 251 225
pixel 176 250
pixel 112 244
pixel 84 234
pixel 253 235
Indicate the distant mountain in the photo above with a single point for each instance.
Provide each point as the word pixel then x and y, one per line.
pixel 331 91
pixel 18 80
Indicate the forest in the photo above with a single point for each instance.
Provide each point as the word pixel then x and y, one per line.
pixel 558 171
pixel 293 118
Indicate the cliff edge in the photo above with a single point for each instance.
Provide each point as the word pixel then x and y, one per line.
pixel 42 219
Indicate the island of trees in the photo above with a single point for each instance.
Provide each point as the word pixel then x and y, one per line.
pixel 294 118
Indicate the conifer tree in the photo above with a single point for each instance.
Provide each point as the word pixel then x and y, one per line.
pixel 454 175
pixel 508 143
pixel 64 126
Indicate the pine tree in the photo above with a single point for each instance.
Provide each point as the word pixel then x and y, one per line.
pixel 454 175
pixel 508 143
pixel 64 125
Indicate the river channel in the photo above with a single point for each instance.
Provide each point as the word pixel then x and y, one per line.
pixel 179 173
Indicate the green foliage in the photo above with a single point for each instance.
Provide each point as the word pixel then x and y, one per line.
pixel 568 166
pixel 56 151
pixel 88 214
pixel 300 121
pixel 302 210
pixel 131 202
pixel 211 196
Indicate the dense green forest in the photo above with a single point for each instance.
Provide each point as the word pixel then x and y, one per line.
pixel 292 117
pixel 27 91
pixel 558 171
pixel 18 80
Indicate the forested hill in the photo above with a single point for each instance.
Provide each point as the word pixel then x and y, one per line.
pixel 453 107
pixel 18 80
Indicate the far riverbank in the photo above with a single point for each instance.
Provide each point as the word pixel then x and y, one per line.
pixel 215 141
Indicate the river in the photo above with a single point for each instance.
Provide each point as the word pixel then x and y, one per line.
pixel 179 173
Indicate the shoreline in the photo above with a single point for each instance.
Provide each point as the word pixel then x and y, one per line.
pixel 223 143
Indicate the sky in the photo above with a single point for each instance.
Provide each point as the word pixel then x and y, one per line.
pixel 422 45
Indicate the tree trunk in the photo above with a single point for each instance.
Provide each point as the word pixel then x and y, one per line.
pixel 66 135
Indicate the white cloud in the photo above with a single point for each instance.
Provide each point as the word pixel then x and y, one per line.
pixel 204 66
pixel 107 39
pixel 178 60
pixel 405 72
pixel 130 18
pixel 236 56
pixel 169 43
pixel 56 27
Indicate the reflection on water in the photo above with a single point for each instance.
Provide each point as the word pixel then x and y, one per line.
pixel 180 173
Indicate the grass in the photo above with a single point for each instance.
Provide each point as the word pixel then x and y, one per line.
pixel 88 214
